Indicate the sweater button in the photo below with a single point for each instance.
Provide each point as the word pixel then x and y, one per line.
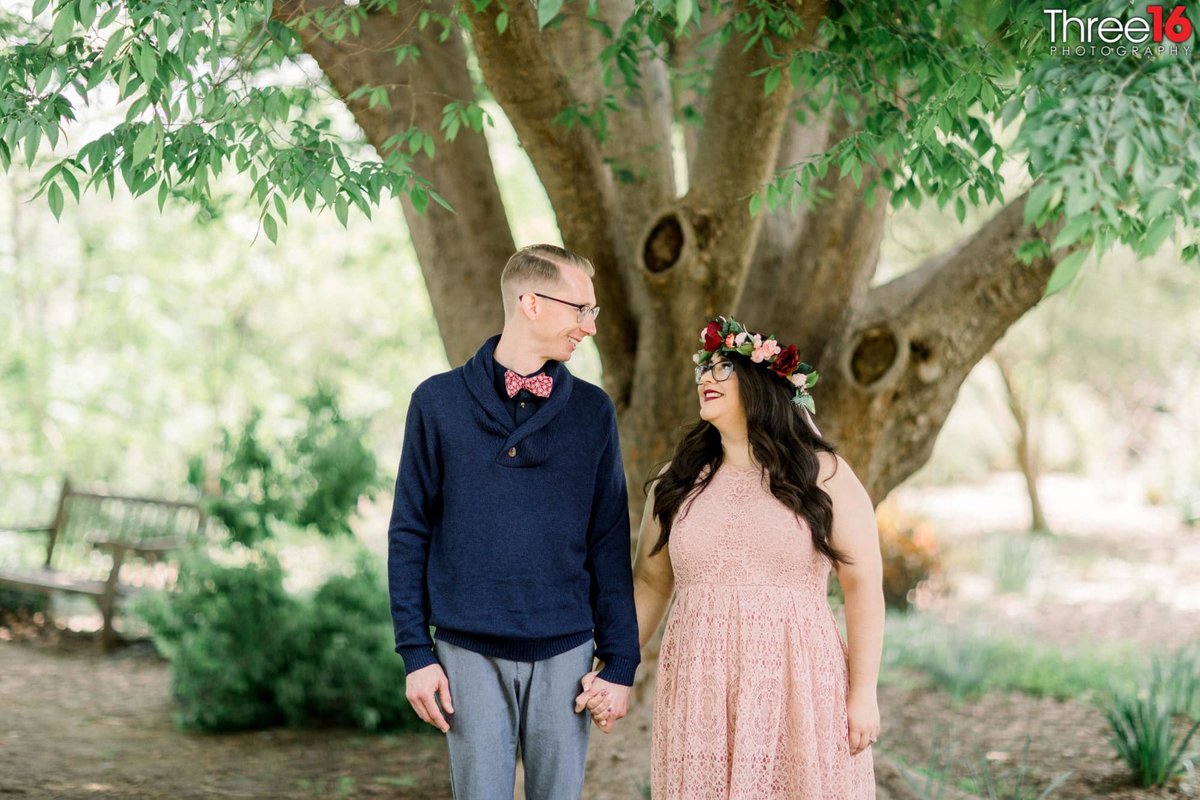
pixel 512 452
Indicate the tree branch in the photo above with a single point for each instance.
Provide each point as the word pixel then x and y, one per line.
pixel 805 282
pixel 637 146
pixel 898 370
pixel 737 149
pixel 520 70
pixel 461 254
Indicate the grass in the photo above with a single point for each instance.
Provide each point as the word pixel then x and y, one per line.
pixel 967 661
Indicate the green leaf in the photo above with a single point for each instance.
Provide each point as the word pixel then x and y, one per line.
pixel 683 14
pixel 38 7
pixel 54 197
pixel 270 228
pixel 960 209
pixel 772 81
pixel 548 10
pixel 755 204
pixel 419 198
pixel 147 62
pixel 1036 205
pixel 342 210
pixel 1065 272
pixel 1157 233
pixel 1124 155
pixel 64 25
pixel 1072 232
pixel 502 22
pixel 110 48
pixel 441 201
pixel 143 145
pixel 72 183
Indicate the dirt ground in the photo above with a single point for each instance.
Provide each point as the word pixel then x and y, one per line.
pixel 78 724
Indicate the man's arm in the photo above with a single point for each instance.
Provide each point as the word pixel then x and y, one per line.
pixel 613 610
pixel 417 499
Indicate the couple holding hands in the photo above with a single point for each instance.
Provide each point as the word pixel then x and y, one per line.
pixel 509 536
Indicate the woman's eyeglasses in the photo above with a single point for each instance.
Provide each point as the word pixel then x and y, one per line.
pixel 720 371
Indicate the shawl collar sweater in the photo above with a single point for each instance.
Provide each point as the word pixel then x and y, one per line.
pixel 511 540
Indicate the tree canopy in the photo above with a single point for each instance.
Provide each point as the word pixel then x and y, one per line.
pixel 709 157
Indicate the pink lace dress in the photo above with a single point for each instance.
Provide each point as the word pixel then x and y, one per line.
pixel 752 675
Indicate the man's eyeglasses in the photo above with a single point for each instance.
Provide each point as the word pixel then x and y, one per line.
pixel 582 312
pixel 720 371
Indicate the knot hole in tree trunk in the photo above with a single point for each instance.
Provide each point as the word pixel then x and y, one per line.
pixel 664 244
pixel 876 355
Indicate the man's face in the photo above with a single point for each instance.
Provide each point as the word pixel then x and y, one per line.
pixel 559 324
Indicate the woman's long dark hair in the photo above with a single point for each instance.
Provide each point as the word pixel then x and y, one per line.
pixel 780 440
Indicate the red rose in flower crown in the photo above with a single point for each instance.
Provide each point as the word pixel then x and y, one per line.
pixel 711 336
pixel 727 335
pixel 786 362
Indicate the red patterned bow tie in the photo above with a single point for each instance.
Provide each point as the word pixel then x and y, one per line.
pixel 538 384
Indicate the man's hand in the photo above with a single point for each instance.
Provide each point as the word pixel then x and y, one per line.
pixel 423 689
pixel 607 702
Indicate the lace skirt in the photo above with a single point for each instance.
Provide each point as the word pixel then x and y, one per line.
pixel 751 700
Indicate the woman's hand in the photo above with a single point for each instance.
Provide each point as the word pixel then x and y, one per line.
pixel 862 710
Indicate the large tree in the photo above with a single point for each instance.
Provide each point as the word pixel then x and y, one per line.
pixel 734 156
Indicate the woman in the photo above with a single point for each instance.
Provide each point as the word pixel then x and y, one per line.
pixel 758 696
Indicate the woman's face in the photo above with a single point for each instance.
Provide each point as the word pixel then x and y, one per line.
pixel 720 398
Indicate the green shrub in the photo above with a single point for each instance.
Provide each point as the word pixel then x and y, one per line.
pixel 225 631
pixel 1176 679
pixel 15 603
pixel 1144 737
pixel 313 479
pixel 343 667
pixel 246 654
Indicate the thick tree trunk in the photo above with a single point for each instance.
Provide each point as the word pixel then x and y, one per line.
pixel 462 252
pixel 892 358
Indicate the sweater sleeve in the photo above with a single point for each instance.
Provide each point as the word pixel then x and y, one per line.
pixel 417 500
pixel 613 611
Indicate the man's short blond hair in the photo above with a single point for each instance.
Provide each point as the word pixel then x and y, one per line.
pixel 537 265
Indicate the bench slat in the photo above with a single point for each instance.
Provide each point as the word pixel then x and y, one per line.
pixel 48 579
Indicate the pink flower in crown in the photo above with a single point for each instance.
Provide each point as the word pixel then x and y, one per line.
pixel 764 351
pixel 799 380
pixel 741 338
pixel 729 340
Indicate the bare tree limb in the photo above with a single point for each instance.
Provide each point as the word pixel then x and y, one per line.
pixel 897 371
pixel 461 254
pixel 532 90
pixel 804 282
pixel 737 149
pixel 636 147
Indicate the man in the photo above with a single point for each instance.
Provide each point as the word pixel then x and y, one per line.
pixel 510 536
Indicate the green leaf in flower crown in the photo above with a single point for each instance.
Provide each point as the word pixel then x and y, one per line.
pixel 806 402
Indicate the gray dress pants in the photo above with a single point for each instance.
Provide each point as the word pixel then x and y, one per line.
pixel 501 706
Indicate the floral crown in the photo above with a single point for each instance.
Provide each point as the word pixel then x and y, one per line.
pixel 727 335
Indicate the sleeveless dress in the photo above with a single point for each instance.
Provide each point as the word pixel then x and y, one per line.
pixel 752 678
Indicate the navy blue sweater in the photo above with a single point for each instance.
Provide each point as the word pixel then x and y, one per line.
pixel 512 541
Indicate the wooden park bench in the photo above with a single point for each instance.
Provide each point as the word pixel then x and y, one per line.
pixel 102 546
